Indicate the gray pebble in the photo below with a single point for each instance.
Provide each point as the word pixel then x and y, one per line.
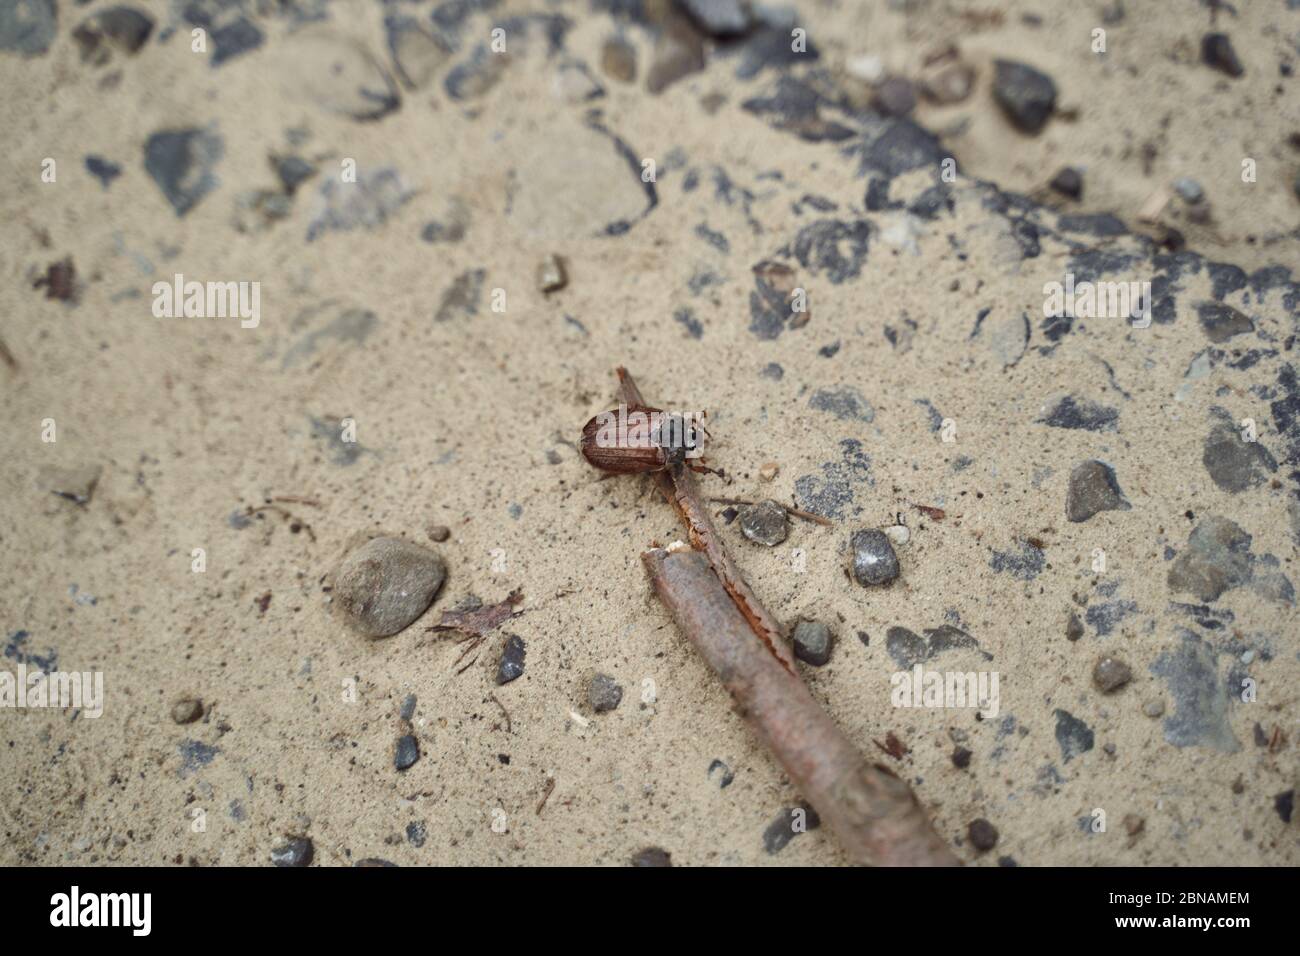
pixel 1026 96
pixel 1221 322
pixel 1068 182
pixel 417 54
pixel 895 97
pixel 765 523
pixel 382 586
pixel 297 851
pixel 1189 189
pixel 512 659
pixel 618 59
pixel 372 861
pixel 119 28
pixel 813 642
pixel 652 856
pixel 874 560
pixel 1093 489
pixel 1154 707
pixel 187 711
pixel 678 52
pixel 723 772
pixel 1217 52
pixel 789 823
pixel 1233 463
pixel 407 752
pixel 983 835
pixel 1217 558
pixel 1073 627
pixel 408 707
pixel 1111 674
pixel 27 26
pixel 718 18
pixel 417 831
pixel 183 162
pixel 603 693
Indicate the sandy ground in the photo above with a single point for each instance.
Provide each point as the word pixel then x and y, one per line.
pixel 925 321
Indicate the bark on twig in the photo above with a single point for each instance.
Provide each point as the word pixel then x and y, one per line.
pixel 875 814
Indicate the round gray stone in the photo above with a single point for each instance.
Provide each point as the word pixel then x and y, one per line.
pixel 765 523
pixel 874 560
pixel 385 584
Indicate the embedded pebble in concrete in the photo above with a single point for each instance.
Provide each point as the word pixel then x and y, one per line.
pixel 652 856
pixel 27 27
pixel 1234 463
pixel 1217 52
pixel 183 163
pixel 1073 736
pixel 765 523
pixel 1221 322
pixel 982 834
pixel 603 693
pixel 618 59
pixel 385 584
pixel 813 642
pixel 296 851
pixel 1201 717
pixel 1217 558
pixel 1110 674
pixel 187 711
pixel 406 752
pixel 122 29
pixel 874 560
pixel 1093 489
pixel 789 823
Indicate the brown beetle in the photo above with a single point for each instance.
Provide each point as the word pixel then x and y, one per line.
pixel 637 439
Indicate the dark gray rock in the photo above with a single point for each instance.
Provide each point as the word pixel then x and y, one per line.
pixel 678 52
pixel 1221 322
pixel 845 403
pixel 1200 717
pixel 1069 411
pixel 183 162
pixel 1073 736
pixel 372 862
pixel 117 28
pixel 1217 52
pixel 195 755
pixel 1073 627
pixel 27 26
pixel 764 523
pixel 1092 490
pixel 461 300
pixel 908 648
pixel 1025 563
pixel 813 642
pixel 408 707
pixel 1068 182
pixel 874 560
pixel 1233 463
pixel 604 693
pixel 417 832
pixel 789 823
pixel 103 170
pixel 382 586
pixel 895 96
pixel 1027 96
pixel 406 752
pixel 652 856
pixel 1217 559
pixel 296 851
pixel 512 659
pixel 1110 674
pixel 983 835
pixel 292 171
pixel 233 39
pixel 722 772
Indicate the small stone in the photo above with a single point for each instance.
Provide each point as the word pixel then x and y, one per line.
pixel 417 831
pixel 723 773
pixel 1233 463
pixel 894 97
pixel 618 60
pixel 551 275
pixel 874 560
pixel 187 711
pixel 1133 824
pixel 1217 52
pixel 1073 627
pixel 768 471
pixel 652 856
pixel 407 752
pixel 382 586
pixel 1092 490
pixel 1221 322
pixel 512 659
pixel 102 169
pixel 417 54
pixel 370 862
pixel 27 26
pixel 983 835
pixel 717 18
pixel 120 28
pixel 292 171
pixel 75 484
pixel 1217 559
pixel 813 642
pixel 1026 96
pixel 961 758
pixel 603 693
pixel 949 84
pixel 789 823
pixel 898 534
pixel 297 851
pixel 764 523
pixel 1189 189
pixel 408 707
pixel 438 532
pixel 183 162
pixel 1110 674
pixel 1068 182
pixel 678 52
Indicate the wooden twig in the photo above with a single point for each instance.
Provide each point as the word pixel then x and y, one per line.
pixel 875 815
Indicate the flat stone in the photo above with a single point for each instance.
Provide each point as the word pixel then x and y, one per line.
pixel 813 642
pixel 385 584
pixel 117 28
pixel 406 752
pixel 27 26
pixel 1233 463
pixel 764 523
pixel 678 52
pixel 1217 559
pixel 895 96
pixel 652 856
pixel 183 163
pixel 874 560
pixel 845 403
pixel 1110 674
pixel 618 59
pixel 511 665
pixel 603 693
pixel 187 711
pixel 1026 95
pixel 417 54
pixel 717 18
pixel 1092 490
pixel 77 484
pixel 1221 322
pixel 297 851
